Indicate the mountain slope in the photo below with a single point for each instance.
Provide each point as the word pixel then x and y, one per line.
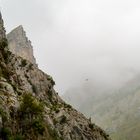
pixel 31 109
pixel 118 111
pixel 121 119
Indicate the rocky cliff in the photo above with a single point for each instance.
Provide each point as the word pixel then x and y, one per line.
pixel 19 44
pixel 2 30
pixel 30 109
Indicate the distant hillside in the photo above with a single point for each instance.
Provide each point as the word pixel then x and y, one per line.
pixel 118 112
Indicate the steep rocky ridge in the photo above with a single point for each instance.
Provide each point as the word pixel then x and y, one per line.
pixel 31 109
pixel 19 44
pixel 2 30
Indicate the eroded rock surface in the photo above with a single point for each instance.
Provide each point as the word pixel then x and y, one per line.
pixel 19 44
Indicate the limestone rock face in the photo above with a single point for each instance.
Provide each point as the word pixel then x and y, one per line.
pixel 2 30
pixel 19 44
pixel 30 108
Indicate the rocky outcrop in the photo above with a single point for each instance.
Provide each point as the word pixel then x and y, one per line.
pixel 19 44
pixel 31 109
pixel 2 30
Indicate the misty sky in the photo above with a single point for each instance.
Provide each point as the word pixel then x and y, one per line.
pixel 78 39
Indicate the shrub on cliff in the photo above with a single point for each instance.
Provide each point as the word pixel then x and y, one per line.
pixel 31 114
pixel 31 106
pixel 23 63
pixel 3 43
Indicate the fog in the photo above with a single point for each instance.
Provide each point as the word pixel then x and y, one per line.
pixel 80 40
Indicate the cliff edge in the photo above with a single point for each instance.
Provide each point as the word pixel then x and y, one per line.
pixel 20 45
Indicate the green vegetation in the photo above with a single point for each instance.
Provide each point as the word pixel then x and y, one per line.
pixel 3 115
pixel 1 72
pixel 5 72
pixel 56 107
pixel 18 137
pixel 67 106
pixel 31 111
pixel 30 66
pixel 31 106
pixel 38 126
pixel 23 62
pixel 91 125
pixel 49 78
pixel 63 119
pixel 3 43
pixel 28 120
pixel 5 133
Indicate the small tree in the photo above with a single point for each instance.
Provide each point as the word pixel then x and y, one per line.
pixel 3 43
pixel 31 112
pixel 23 62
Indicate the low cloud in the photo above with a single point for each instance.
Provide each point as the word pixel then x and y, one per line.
pixel 78 39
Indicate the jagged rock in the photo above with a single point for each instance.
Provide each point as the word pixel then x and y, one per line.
pixel 19 44
pixel 2 30
pixel 29 105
